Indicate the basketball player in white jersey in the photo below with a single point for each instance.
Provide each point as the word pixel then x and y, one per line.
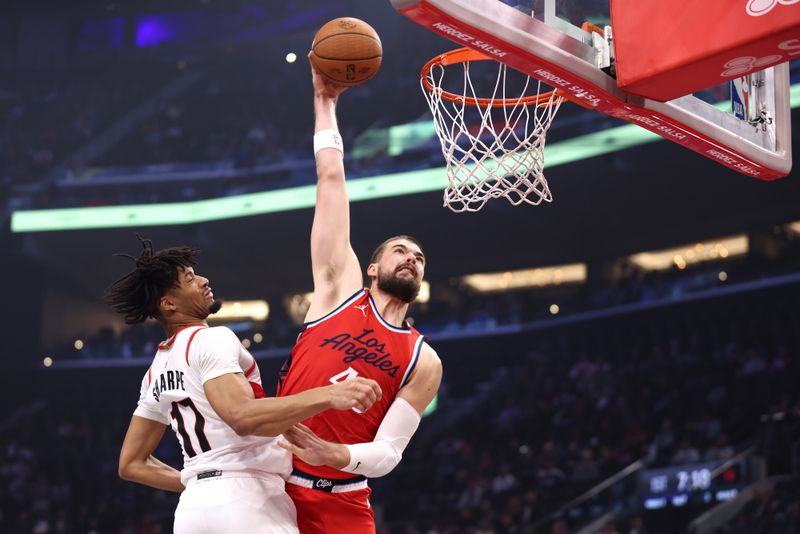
pixel 207 387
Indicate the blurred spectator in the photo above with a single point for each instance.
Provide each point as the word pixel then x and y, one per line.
pixel 686 454
pixel 503 481
pixel 720 450
pixel 610 527
pixel 586 470
pixel 636 525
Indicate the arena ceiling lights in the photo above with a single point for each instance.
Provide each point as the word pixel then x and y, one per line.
pixel 424 292
pixel 681 257
pixel 294 198
pixel 391 185
pixel 526 278
pixel 253 310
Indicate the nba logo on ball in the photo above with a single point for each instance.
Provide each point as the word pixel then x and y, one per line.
pixel 347 51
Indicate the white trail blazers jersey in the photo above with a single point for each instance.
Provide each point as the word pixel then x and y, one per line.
pixel 172 393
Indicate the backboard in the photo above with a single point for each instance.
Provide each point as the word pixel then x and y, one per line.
pixel 548 40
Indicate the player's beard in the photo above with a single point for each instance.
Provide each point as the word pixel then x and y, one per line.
pixel 215 306
pixel 403 289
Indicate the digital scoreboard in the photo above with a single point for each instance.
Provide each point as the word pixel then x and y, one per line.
pixel 703 484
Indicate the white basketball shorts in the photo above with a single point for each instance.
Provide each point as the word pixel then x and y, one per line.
pixel 223 505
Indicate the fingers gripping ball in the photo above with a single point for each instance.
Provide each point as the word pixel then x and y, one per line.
pixel 347 51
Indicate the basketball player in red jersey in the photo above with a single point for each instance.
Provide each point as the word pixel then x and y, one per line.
pixel 353 332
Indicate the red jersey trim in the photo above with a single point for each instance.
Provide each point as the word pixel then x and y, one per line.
pixel 189 344
pixel 258 391
pixel 250 370
pixel 167 343
pixel 335 311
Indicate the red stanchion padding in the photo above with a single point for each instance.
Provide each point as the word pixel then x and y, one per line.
pixel 665 50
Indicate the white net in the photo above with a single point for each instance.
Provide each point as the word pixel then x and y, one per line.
pixel 493 146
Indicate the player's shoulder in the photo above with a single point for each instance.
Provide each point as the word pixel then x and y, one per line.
pixel 427 373
pixel 216 335
pixel 428 357
pixel 428 350
pixel 328 301
pixel 210 332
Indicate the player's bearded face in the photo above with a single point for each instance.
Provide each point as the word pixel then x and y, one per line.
pixel 215 306
pixel 405 288
pixel 203 307
pixel 210 304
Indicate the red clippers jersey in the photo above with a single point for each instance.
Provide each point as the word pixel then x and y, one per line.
pixel 352 340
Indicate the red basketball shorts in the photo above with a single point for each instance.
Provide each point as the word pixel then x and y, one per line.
pixel 321 512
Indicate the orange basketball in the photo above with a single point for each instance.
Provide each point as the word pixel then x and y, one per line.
pixel 347 51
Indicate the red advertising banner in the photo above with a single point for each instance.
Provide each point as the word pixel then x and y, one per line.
pixel 665 50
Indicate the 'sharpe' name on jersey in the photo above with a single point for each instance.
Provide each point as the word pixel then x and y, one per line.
pixel 363 347
pixel 168 381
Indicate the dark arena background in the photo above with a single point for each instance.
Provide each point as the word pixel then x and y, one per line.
pixel 625 359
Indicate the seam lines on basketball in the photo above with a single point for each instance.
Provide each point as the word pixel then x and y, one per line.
pixel 348 59
pixel 334 80
pixel 344 33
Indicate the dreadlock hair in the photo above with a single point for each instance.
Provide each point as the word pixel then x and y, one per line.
pixel 137 294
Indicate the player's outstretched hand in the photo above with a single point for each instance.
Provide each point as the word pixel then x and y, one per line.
pixel 323 86
pixel 306 445
pixel 357 393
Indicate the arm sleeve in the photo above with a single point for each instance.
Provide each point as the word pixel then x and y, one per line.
pixel 147 406
pixel 378 457
pixel 215 352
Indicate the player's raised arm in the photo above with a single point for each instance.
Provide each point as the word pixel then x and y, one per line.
pixel 335 267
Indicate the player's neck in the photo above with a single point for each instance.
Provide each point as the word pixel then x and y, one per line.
pixel 180 323
pixel 392 309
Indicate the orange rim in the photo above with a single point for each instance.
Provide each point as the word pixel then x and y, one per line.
pixel 589 27
pixel 464 55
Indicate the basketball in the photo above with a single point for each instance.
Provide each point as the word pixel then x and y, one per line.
pixel 347 51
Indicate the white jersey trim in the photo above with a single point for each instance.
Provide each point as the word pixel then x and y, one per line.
pixel 399 330
pixel 358 294
pixel 414 359
pixel 340 488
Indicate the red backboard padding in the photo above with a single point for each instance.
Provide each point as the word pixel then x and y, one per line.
pixel 665 50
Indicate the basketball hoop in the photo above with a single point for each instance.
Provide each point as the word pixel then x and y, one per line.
pixel 501 152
